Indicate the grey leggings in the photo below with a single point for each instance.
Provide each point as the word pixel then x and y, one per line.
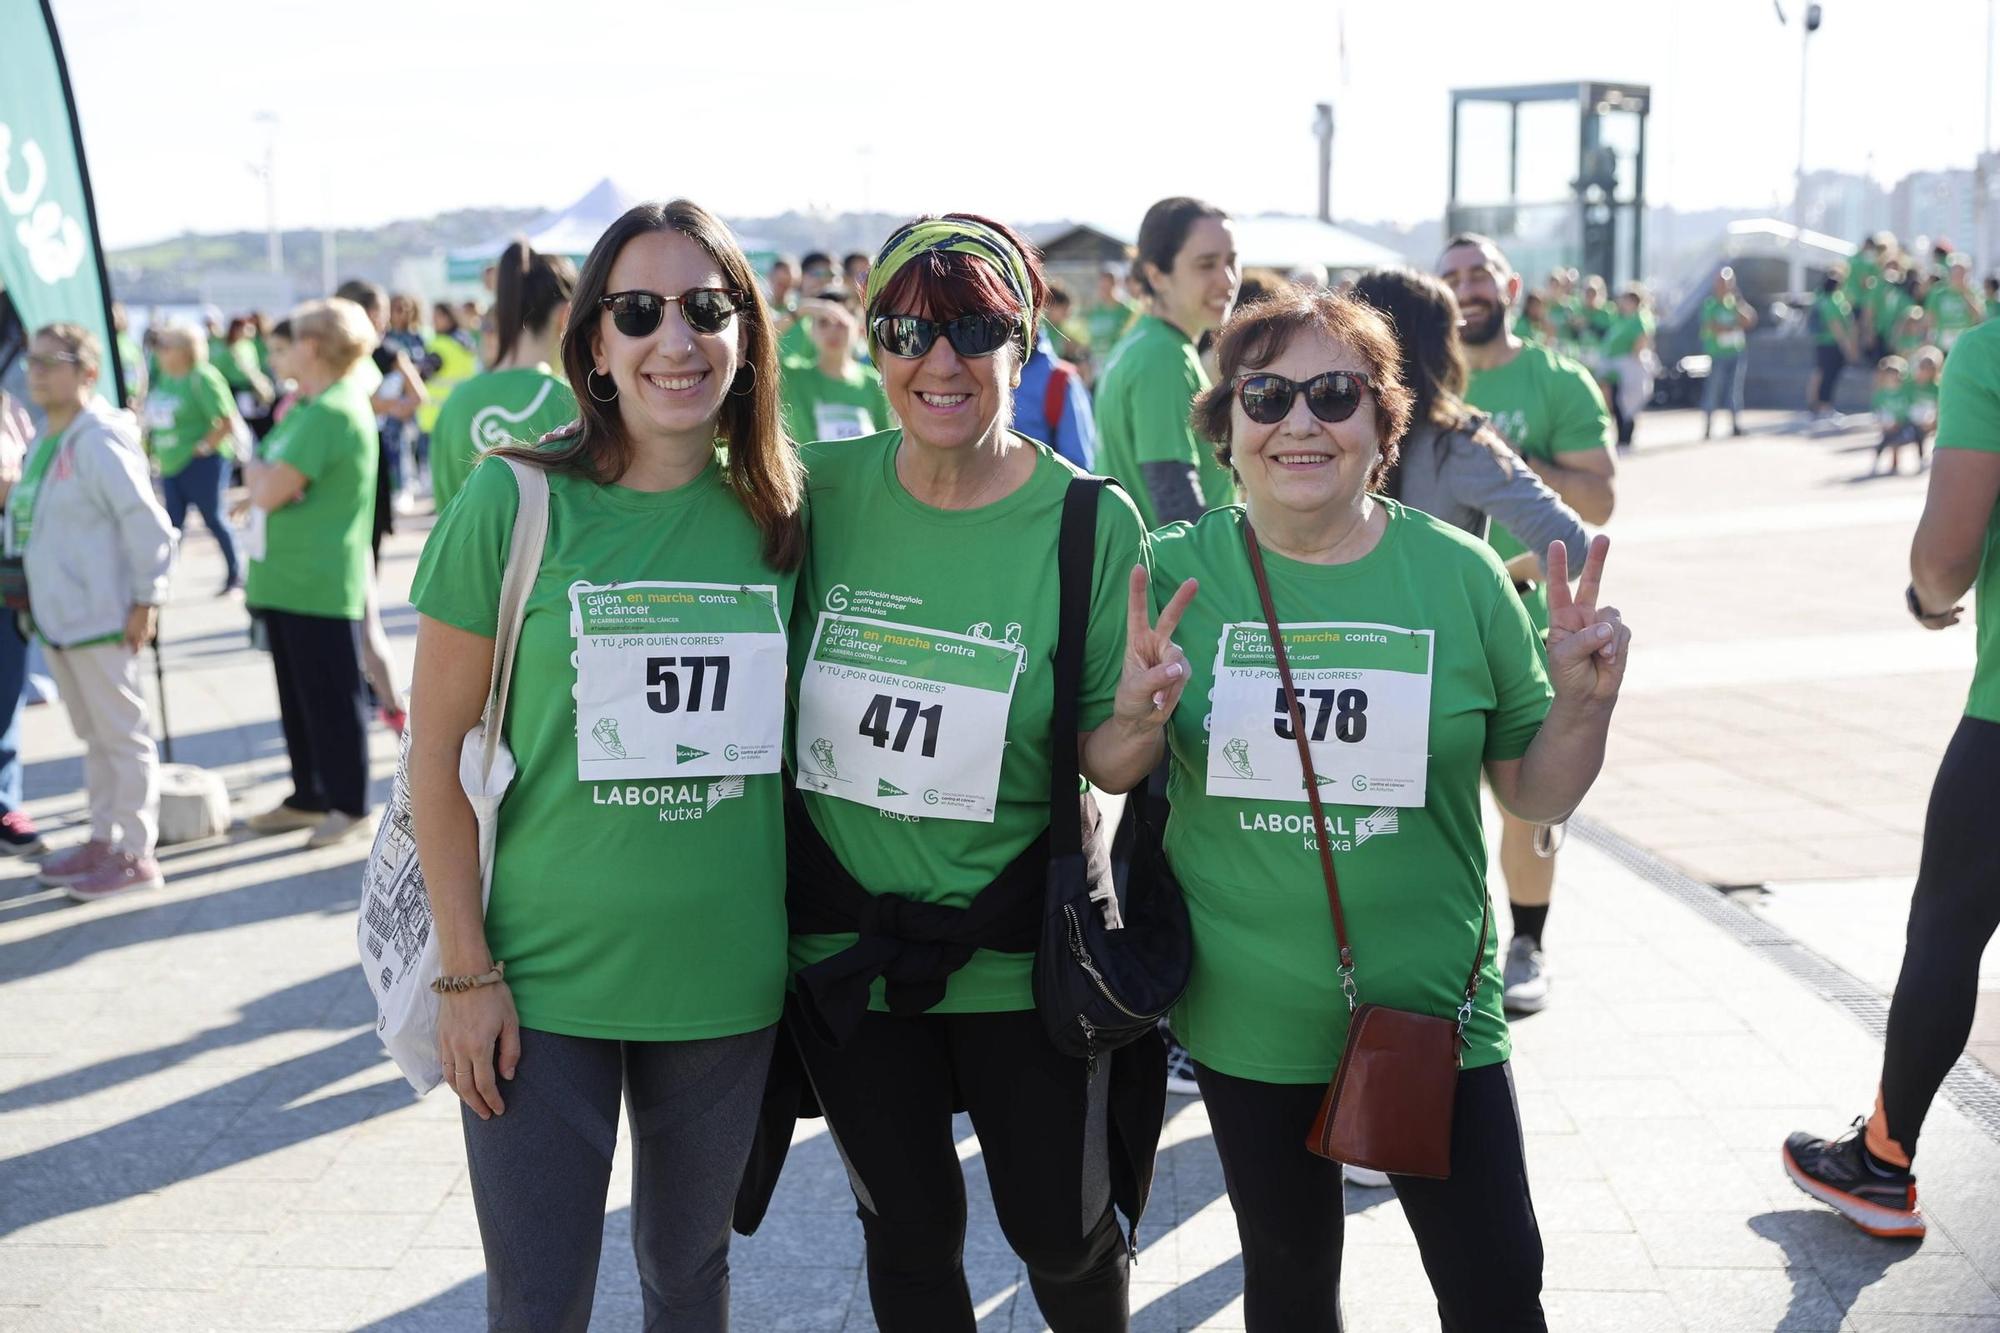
pixel 540 1173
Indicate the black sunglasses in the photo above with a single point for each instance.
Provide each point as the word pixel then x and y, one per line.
pixel 1332 396
pixel 706 309
pixel 911 336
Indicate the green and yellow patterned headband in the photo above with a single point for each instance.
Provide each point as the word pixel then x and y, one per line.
pixel 959 236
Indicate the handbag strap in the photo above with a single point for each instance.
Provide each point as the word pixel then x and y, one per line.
pixel 524 562
pixel 1076 558
pixel 1321 835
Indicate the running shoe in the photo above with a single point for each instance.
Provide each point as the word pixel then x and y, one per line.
pixel 18 836
pixel 1180 1070
pixel 75 864
pixel 1525 981
pixel 1364 1177
pixel 117 873
pixel 284 818
pixel 337 827
pixel 1840 1173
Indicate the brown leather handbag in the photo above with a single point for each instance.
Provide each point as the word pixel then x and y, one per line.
pixel 1390 1102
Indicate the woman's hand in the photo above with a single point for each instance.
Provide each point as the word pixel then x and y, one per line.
pixel 471 1024
pixel 139 627
pixel 1588 644
pixel 1156 670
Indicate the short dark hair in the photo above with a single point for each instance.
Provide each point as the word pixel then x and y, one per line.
pixel 1256 335
pixel 815 257
pixel 945 284
pixel 370 296
pixel 1480 241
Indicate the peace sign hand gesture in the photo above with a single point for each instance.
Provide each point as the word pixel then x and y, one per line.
pixel 1588 644
pixel 1156 670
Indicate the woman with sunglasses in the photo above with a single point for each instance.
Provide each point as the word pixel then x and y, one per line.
pixel 1416 668
pixel 634 939
pixel 923 660
pixel 1187 269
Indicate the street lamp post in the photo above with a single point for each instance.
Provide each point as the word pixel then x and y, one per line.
pixel 1809 20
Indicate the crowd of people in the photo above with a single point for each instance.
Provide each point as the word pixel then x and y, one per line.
pixel 834 616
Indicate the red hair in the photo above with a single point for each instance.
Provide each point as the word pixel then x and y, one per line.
pixel 945 284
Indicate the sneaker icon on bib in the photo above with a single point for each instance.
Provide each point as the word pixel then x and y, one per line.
pixel 605 733
pixel 822 750
pixel 1237 752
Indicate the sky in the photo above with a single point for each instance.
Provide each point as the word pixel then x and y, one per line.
pixel 1028 110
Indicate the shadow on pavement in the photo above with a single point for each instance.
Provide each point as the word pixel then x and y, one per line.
pixel 1846 1261
pixel 260 1111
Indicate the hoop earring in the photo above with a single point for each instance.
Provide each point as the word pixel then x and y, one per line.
pixel 745 393
pixel 590 389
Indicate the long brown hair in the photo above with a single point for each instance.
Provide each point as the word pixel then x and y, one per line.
pixel 762 468
pixel 1423 314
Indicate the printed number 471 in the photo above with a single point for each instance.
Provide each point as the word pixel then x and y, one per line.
pixel 875 723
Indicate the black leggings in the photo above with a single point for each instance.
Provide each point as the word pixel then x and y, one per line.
pixel 1953 914
pixel 1476 1231
pixel 888 1094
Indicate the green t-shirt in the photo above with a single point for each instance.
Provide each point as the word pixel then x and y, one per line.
pixel 1890 406
pixel 1832 316
pixel 636 910
pixel 1863 277
pixel 1887 302
pixel 1951 313
pixel 1969 418
pixel 819 407
pixel 1105 324
pixel 1264 1001
pixel 1923 401
pixel 180 412
pixel 516 406
pixel 316 548
pixel 238 363
pixel 1143 399
pixel 1624 332
pixel 796 346
pixel 1543 404
pixel 1721 334
pixel 986 573
pixel 1526 329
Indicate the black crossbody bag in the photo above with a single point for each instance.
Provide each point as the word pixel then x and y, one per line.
pixel 1096 987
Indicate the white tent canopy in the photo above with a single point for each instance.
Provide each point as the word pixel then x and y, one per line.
pixel 1282 241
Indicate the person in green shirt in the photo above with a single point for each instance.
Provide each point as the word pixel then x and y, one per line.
pixel 237 360
pixel 1835 343
pixel 1890 402
pixel 1887 300
pixel 1953 305
pixel 1110 316
pixel 922 657
pixel 837 396
pixel 1432 674
pixel 637 868
pixel 1926 383
pixel 795 342
pixel 1627 349
pixel 1550 409
pixel 1188 270
pixel 1868 1174
pixel 1726 321
pixel 520 399
pixel 190 429
pixel 312 496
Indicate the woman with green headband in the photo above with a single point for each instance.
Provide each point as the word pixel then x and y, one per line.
pixel 923 779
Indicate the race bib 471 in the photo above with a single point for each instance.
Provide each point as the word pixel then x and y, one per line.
pixel 1365 695
pixel 911 721
pixel 677 680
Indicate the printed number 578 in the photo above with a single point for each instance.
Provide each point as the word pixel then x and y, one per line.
pixel 1347 709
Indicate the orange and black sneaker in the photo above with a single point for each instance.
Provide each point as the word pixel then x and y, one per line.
pixel 1879 1198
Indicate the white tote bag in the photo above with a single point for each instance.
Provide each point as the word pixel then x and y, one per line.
pixel 399 949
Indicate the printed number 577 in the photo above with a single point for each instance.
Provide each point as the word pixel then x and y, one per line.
pixel 663 694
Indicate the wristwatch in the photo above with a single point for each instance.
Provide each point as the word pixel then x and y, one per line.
pixel 1917 607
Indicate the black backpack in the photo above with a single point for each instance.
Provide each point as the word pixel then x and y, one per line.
pixel 1096 988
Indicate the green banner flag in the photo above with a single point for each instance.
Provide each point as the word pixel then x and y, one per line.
pixel 50 264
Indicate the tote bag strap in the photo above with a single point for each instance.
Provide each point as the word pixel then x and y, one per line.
pixel 1075 556
pixel 524 562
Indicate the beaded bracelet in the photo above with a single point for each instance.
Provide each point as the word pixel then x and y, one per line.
pixel 455 985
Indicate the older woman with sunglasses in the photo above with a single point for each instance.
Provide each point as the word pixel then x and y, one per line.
pixel 1415 667
pixel 924 773
pixel 637 892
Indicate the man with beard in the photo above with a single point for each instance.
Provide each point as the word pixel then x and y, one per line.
pixel 1549 408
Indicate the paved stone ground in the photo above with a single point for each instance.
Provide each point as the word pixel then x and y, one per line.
pixel 198 1131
